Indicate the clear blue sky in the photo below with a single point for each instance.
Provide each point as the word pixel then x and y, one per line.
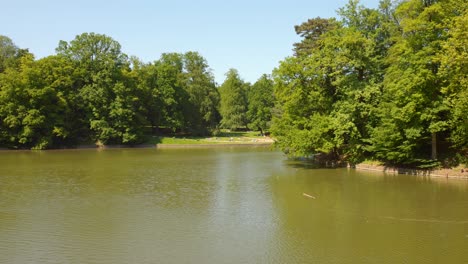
pixel 250 36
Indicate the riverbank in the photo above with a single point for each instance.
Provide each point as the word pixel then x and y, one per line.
pixel 226 139
pixel 456 173
pixel 220 145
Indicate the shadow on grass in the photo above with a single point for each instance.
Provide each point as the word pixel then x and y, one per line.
pixel 239 134
pixel 299 163
pixel 151 139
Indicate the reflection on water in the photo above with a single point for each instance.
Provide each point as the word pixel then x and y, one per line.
pixel 236 205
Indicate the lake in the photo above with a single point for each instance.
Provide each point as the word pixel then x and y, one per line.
pixel 220 205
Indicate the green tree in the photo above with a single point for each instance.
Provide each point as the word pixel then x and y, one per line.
pixel 10 54
pixel 8 51
pixel 170 92
pixel 233 106
pixel 329 92
pixel 260 103
pixel 144 77
pixel 34 104
pixel 202 114
pixel 109 104
pixel 414 115
pixel 454 72
pixel 310 32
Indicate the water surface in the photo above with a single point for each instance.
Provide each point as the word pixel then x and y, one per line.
pixel 234 205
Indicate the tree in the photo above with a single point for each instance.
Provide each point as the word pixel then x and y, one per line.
pixel 10 54
pixel 261 103
pixel 454 72
pixel 144 77
pixel 35 104
pixel 328 92
pixel 109 104
pixel 169 70
pixel 202 114
pixel 233 106
pixel 310 31
pixel 94 52
pixel 414 117
pixel 8 51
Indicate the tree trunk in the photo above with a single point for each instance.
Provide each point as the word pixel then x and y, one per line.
pixel 434 146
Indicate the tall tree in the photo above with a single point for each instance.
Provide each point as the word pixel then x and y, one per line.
pixel 328 94
pixel 203 95
pixel 310 32
pixel 454 72
pixel 100 65
pixel 10 54
pixel 414 116
pixel 261 103
pixel 35 104
pixel 233 106
pixel 170 90
pixel 144 77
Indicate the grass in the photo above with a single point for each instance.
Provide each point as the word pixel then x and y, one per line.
pixel 372 162
pixel 225 137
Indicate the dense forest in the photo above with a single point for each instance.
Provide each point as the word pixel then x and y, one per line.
pixel 92 92
pixel 389 84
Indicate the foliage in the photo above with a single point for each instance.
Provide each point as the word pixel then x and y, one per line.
pixel 91 90
pixel 203 101
pixel 32 96
pixel 260 104
pixel 223 138
pixel 415 117
pixel 454 74
pixel 387 83
pixel 328 96
pixel 233 107
pixel 109 101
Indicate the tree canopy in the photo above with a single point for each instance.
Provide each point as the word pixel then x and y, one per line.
pixel 387 83
pixel 260 104
pixel 92 92
pixel 233 101
pixel 377 84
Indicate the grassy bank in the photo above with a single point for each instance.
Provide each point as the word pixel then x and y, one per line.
pixel 234 138
pixel 223 139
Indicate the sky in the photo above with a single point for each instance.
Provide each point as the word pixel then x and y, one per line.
pixel 247 35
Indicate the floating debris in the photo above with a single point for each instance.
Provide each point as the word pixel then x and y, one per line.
pixel 308 195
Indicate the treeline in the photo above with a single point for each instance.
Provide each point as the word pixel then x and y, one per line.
pixel 90 91
pixel 389 84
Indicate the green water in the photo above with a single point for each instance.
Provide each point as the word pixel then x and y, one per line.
pixel 235 205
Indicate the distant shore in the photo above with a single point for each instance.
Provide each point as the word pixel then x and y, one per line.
pixel 226 139
pixel 182 146
pixel 220 145
pixel 159 146
pixel 453 173
pixel 457 173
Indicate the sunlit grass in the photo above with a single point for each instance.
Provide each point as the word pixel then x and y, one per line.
pixel 372 162
pixel 224 137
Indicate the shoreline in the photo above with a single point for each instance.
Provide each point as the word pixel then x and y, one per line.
pixel 224 145
pixel 153 146
pixel 440 173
